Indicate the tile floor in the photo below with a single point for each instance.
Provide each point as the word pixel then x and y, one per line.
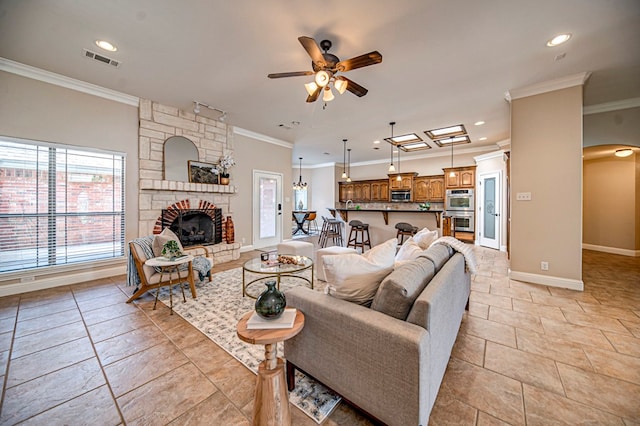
pixel 525 354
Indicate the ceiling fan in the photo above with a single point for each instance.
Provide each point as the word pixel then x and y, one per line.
pixel 325 67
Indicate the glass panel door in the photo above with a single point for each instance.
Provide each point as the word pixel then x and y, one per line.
pixel 267 212
pixel 490 210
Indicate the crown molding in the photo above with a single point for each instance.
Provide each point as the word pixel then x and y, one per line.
pixel 67 82
pixel 489 156
pixel 611 106
pixel 441 152
pixel 260 137
pixel 547 86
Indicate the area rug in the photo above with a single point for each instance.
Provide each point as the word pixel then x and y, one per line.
pixel 216 313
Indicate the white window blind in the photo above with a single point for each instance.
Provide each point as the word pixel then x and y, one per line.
pixel 59 205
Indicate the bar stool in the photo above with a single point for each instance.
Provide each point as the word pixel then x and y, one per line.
pixel 311 222
pixel 331 228
pixel 359 231
pixel 405 229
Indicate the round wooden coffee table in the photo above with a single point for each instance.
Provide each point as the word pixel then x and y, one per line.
pixel 271 403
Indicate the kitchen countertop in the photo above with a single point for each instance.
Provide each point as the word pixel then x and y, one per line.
pixel 385 213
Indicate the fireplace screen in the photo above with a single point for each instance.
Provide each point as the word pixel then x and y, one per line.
pixel 195 227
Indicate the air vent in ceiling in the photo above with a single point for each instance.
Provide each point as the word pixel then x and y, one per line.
pixel 100 58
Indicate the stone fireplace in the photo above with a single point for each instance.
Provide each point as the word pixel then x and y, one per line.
pixel 186 205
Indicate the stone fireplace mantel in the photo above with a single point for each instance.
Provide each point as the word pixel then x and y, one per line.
pixel 171 185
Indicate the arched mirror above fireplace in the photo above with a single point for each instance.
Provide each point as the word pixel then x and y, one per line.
pixel 178 150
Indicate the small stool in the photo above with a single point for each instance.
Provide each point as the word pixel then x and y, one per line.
pixel 298 248
pixel 311 222
pixel 320 253
pixel 361 230
pixel 331 228
pixel 405 229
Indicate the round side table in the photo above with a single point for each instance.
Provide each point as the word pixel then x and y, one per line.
pixel 271 403
pixel 170 266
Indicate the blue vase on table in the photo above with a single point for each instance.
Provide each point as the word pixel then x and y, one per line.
pixel 271 303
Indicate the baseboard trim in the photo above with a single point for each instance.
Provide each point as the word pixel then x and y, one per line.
pixel 612 250
pixel 65 279
pixel 244 249
pixel 547 280
pixel 503 248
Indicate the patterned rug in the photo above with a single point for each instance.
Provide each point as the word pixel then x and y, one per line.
pixel 216 313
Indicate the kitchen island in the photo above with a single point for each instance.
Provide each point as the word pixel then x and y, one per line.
pixel 378 220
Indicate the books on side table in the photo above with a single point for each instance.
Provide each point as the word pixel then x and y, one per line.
pixel 285 320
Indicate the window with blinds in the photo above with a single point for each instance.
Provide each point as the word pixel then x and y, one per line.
pixel 59 205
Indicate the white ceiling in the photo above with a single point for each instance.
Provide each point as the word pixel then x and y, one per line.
pixel 444 61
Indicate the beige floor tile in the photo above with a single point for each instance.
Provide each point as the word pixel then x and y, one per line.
pixel 105 290
pixel 560 302
pixel 514 293
pixel 215 410
pixel 124 345
pixel 48 309
pixel 489 330
pixel 552 312
pixel 491 299
pixel 167 397
pixel 4 359
pixel 5 340
pixel 111 299
pixel 613 364
pixel 103 411
pixel 235 380
pixel 624 343
pixel 554 348
pixel 485 390
pixel 485 419
pixel 108 329
pixel 9 302
pixel 523 366
pixel 576 333
pixel 480 287
pixel 43 362
pixel 45 339
pixel 447 410
pixel 479 310
pixel 581 296
pixel 10 311
pixel 469 348
pixel 7 324
pixel 532 288
pixel 516 319
pixel 207 356
pixel 632 326
pixel 108 312
pixel 600 322
pixel 50 390
pixel 545 408
pixel 611 395
pixel 610 311
pixel 141 367
pixel 184 337
pixel 44 297
pixel 46 322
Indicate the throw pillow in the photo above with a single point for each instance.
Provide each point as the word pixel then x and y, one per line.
pixel 408 251
pixel 356 277
pixel 424 237
pixel 160 239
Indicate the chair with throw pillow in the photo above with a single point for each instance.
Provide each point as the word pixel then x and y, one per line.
pixel 145 277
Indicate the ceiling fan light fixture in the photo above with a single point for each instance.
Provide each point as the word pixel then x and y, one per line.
pixel 341 85
pixel 323 78
pixel 328 94
pixel 311 87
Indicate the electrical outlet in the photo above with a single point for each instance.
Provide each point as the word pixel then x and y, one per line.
pixel 523 196
pixel 544 266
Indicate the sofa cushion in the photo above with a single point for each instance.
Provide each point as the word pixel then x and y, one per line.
pixel 408 251
pixel 160 239
pixel 399 289
pixel 424 237
pixel 438 254
pixel 356 277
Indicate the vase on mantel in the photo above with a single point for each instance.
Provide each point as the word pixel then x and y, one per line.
pixel 229 231
pixel 271 303
pixel 224 179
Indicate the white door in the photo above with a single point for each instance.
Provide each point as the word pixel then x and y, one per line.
pixel 489 210
pixel 267 209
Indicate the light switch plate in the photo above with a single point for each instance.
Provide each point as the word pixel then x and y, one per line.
pixel 523 196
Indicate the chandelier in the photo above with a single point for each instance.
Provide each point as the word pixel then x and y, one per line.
pixel 300 186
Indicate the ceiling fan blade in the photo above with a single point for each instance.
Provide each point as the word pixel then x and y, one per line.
pixel 365 60
pixel 314 96
pixel 312 48
pixel 355 88
pixel 290 74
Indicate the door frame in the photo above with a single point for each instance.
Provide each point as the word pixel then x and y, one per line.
pixel 482 241
pixel 257 242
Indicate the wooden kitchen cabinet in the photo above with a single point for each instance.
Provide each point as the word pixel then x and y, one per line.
pixel 464 177
pixel 406 181
pixel 428 189
pixel 380 190
pixel 346 192
pixel 362 191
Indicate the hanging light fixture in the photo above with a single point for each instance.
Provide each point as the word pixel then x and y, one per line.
pixel 452 173
pixel 349 168
pixel 344 159
pixel 398 178
pixel 391 167
pixel 300 186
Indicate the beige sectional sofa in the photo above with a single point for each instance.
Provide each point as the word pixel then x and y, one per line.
pixel 387 359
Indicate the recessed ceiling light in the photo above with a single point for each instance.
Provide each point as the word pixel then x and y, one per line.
pixel 376 142
pixel 479 123
pixel 559 39
pixel 623 152
pixel 102 44
pixel 483 138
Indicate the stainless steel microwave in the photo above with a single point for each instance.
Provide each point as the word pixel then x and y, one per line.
pixel 400 195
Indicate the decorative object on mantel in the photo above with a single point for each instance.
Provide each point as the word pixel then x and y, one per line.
pixel 271 303
pixel 226 162
pixel 229 230
pixel 300 186
pixel 202 172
